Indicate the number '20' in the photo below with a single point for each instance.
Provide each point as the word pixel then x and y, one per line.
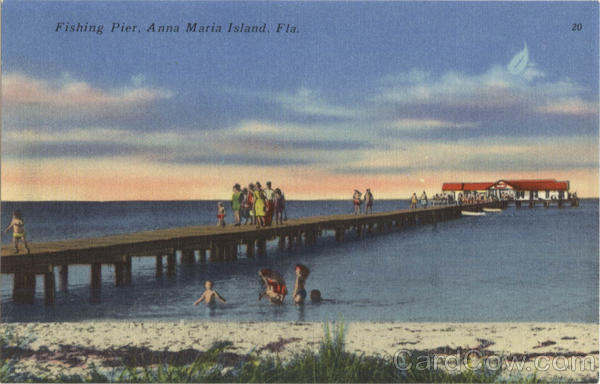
pixel 576 27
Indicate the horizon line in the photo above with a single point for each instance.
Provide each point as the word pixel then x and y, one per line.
pixel 212 200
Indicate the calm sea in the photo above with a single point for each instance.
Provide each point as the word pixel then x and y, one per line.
pixel 518 265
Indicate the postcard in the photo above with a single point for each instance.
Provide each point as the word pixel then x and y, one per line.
pixel 299 191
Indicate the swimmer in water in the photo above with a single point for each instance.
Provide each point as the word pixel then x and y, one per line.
pixel 209 295
pixel 315 296
pixel 299 291
pixel 275 288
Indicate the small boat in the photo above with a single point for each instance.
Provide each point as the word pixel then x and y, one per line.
pixel 492 210
pixel 471 213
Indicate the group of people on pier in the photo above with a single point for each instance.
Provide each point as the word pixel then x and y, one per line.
pixel 449 199
pixel 255 205
pixel 274 286
pixel 358 200
pixel 421 201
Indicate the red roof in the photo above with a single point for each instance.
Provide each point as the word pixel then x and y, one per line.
pixel 522 185
pixel 539 185
pixel 466 186
pixel 452 187
pixel 476 186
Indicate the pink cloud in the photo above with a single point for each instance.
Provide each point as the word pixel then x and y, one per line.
pixel 20 90
pixel 573 106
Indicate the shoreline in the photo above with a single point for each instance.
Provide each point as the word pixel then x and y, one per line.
pixel 70 347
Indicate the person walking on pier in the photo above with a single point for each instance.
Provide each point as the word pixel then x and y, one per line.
pixel 356 201
pixel 423 199
pixel 236 204
pixel 220 214
pixel 18 226
pixel 413 201
pixel 368 202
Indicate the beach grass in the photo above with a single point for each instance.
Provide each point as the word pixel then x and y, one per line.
pixel 330 363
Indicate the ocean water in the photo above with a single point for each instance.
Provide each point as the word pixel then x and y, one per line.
pixel 519 265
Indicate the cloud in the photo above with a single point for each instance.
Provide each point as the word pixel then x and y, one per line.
pixel 571 106
pixel 495 89
pixel 309 102
pixel 75 97
pixel 428 124
pixel 497 154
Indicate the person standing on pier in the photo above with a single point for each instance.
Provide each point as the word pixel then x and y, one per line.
pixel 244 208
pixel 220 214
pixel 278 206
pixel 250 203
pixel 423 199
pixel 356 201
pixel 269 200
pixel 18 226
pixel 259 205
pixel 236 204
pixel 368 202
pixel 413 201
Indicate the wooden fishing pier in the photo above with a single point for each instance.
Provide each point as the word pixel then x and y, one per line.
pixel 195 244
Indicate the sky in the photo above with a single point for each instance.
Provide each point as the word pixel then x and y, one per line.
pixel 398 97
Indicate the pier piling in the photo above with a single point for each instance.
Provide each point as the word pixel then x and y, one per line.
pixel 159 265
pixel 24 288
pixel 119 274
pixel 49 287
pixel 96 281
pixel 63 277
pixel 171 263
pixel 202 256
pixel 261 245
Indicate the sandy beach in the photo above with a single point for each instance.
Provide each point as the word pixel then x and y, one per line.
pixel 566 350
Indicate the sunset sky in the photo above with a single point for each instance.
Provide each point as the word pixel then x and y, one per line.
pixel 394 96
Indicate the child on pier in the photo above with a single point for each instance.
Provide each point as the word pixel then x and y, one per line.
pixel 18 226
pixel 356 199
pixel 220 214
pixel 209 295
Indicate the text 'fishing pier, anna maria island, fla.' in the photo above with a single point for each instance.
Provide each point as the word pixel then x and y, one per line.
pixel 188 27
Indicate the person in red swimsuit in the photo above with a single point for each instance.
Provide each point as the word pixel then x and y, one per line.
pixel 275 288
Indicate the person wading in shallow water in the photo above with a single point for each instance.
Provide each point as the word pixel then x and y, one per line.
pixel 274 285
pixel 302 273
